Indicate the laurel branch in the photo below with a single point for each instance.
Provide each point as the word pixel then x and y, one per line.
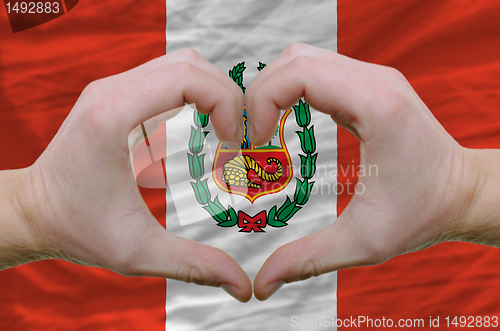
pixel 276 217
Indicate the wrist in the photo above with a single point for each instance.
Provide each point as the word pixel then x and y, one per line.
pixel 18 242
pixel 480 220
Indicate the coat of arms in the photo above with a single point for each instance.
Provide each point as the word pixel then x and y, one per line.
pixel 253 172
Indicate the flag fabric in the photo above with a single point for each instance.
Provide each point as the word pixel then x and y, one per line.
pixel 448 50
pixel 250 201
pixel 43 70
pixel 450 53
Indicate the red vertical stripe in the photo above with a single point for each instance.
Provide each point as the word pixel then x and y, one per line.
pixel 450 52
pixel 42 72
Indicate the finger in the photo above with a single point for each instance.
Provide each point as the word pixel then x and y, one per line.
pixel 163 254
pixel 171 88
pixel 336 247
pixel 344 95
pixel 298 49
pixel 183 55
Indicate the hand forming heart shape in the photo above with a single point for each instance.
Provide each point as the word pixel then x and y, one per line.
pixel 80 201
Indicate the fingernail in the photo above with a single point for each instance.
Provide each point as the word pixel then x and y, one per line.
pixel 232 290
pixel 273 288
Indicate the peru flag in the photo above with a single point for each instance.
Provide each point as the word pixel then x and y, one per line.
pixel 448 50
pixel 450 53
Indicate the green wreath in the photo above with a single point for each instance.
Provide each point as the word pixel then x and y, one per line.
pixel 276 217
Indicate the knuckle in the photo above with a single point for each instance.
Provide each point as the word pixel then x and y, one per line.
pixel 194 270
pixel 389 98
pixel 97 115
pixel 304 63
pixel 192 274
pixel 181 69
pixel 295 49
pixel 395 74
pixel 96 105
pixel 93 88
pixel 392 75
pixel 392 98
pixel 310 269
pixel 189 54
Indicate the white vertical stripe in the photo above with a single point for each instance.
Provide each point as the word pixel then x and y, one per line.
pixel 227 32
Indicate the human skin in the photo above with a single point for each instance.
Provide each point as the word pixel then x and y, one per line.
pixel 79 201
pixel 429 189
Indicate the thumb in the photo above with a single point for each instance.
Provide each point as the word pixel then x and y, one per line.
pixel 333 248
pixel 166 255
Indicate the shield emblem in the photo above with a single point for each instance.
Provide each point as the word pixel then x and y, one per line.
pixel 253 172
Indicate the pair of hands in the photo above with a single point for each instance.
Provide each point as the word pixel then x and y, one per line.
pixel 80 201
